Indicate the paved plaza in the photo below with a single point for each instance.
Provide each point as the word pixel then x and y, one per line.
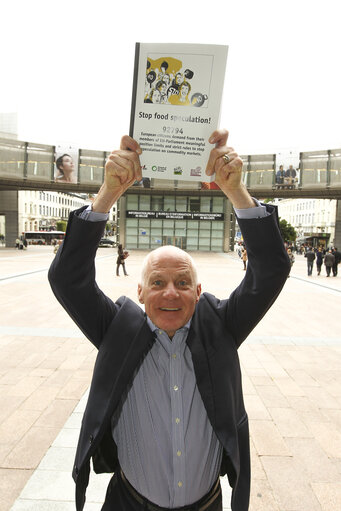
pixel 291 367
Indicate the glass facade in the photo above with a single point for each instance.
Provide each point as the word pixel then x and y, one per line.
pixel 185 232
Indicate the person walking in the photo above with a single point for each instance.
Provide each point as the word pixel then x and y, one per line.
pixel 121 257
pixel 310 255
pixel 244 258
pixel 291 258
pixel 337 256
pixel 319 260
pixel 329 260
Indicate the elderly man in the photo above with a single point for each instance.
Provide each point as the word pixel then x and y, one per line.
pixel 165 412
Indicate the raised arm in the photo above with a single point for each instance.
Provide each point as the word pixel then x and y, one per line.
pixel 228 174
pixel 121 171
pixel 72 273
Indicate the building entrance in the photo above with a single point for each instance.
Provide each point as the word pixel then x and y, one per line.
pixel 176 241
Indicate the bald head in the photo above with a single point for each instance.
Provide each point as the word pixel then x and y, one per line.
pixel 165 252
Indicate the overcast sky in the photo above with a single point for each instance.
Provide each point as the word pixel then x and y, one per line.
pixel 67 66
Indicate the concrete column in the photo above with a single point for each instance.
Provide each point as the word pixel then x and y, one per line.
pixel 337 238
pixel 9 208
pixel 229 226
pixel 122 206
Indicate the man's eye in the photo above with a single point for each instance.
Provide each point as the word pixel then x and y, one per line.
pixel 157 283
pixel 182 283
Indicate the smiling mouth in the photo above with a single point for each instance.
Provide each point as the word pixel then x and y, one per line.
pixel 171 309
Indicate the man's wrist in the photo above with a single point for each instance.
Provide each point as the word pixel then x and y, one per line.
pixel 240 198
pixel 105 199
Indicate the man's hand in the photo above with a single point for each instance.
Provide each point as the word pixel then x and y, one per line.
pixel 122 169
pixel 228 176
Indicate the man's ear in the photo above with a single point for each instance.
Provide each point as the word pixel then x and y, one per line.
pixel 139 293
pixel 198 292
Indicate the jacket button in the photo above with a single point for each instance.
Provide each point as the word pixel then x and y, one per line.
pixel 76 470
pixel 91 439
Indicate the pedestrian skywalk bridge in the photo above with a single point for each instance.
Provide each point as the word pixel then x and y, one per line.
pixel 31 166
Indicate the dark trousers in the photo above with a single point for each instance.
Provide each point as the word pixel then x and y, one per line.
pixel 328 269
pixel 118 498
pixel 310 267
pixel 118 269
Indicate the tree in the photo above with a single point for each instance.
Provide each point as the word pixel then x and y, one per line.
pixel 61 225
pixel 287 230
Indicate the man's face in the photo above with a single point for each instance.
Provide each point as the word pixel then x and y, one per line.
pixel 169 290
pixel 184 91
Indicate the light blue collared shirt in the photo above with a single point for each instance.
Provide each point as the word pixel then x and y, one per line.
pixel 166 445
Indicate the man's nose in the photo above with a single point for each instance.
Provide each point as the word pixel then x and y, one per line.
pixel 170 291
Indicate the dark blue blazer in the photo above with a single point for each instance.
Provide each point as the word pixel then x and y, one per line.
pixel 120 332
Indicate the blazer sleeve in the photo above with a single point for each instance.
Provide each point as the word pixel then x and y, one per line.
pixel 72 278
pixel 267 271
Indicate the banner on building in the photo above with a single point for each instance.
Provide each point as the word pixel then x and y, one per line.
pixel 66 164
pixel 176 101
pixel 174 215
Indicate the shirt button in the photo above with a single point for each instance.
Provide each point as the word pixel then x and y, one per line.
pixel 177 420
pixel 178 453
pixel 174 355
pixel 179 484
pixel 176 388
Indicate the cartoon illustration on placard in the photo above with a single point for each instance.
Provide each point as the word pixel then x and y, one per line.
pixel 169 82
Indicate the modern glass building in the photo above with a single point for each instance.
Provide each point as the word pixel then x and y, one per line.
pixel 196 220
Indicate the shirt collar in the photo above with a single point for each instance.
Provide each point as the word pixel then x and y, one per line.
pixel 154 328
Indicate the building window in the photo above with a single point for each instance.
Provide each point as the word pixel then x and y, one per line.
pixel 157 203
pixel 194 204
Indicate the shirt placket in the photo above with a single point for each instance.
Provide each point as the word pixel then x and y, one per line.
pixel 176 390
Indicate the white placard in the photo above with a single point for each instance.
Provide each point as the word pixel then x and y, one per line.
pixel 176 103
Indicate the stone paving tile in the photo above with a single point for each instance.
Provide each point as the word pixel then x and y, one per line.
pixel 47 485
pixel 8 404
pixel 16 426
pixel 31 448
pixel 56 414
pixel 255 407
pixel 290 483
pixel 288 423
pixel 328 436
pixel 41 398
pixel 58 458
pixel 257 467
pixel 321 396
pixel 314 460
pixel 272 396
pixel 11 483
pixel 288 387
pixel 267 439
pixel 329 495
pixel 262 496
pixel 47 505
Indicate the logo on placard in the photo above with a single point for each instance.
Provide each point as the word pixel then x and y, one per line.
pixel 156 168
pixel 178 171
pixel 196 172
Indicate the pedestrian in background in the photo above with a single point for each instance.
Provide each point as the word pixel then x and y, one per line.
pixel 291 258
pixel 244 258
pixel 329 260
pixel 310 255
pixel 319 260
pixel 337 256
pixel 121 257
